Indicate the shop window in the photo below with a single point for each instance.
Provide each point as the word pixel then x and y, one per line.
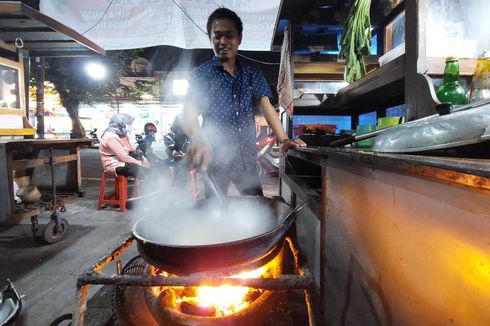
pixel 396 111
pixel 368 119
pixel 342 122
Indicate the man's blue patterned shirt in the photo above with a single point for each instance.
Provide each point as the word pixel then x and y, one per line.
pixel 228 106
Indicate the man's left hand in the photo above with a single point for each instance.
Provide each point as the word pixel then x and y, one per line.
pixel 289 143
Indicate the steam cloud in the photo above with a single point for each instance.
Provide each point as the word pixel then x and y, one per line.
pixel 171 217
pixel 209 224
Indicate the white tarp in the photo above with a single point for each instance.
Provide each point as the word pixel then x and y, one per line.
pixel 128 24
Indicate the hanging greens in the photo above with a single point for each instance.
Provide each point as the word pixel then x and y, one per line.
pixel 356 40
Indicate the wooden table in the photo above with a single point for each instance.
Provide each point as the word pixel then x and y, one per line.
pixel 24 155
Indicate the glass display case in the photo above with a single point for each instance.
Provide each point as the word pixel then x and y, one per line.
pixel 9 85
pixel 457 28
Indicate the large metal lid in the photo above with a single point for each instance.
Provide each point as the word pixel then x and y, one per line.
pixel 469 124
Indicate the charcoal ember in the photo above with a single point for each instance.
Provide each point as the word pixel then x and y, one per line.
pixel 253 295
pixel 167 298
pixel 192 309
pixel 189 292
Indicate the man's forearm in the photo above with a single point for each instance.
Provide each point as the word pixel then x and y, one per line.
pixel 272 119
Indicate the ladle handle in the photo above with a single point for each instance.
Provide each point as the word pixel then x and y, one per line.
pixel 212 185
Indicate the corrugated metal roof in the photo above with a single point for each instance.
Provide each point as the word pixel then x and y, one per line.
pixel 41 35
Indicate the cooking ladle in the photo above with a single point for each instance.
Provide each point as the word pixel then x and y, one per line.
pixel 214 189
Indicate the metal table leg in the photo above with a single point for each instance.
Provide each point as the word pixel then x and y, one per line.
pixel 57 226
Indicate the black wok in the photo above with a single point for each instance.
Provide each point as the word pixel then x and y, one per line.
pixel 223 256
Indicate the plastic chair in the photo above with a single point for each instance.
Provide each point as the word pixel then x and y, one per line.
pixel 119 196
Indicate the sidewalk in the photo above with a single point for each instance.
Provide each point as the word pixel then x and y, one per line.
pixel 46 274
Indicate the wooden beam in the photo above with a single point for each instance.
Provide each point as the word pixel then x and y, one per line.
pixel 25 12
pixel 318 77
pixel 8 47
pixel 32 163
pixel 376 87
pixel 333 68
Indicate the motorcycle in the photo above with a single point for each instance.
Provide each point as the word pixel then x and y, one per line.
pixel 176 148
pixel 144 149
pixel 93 135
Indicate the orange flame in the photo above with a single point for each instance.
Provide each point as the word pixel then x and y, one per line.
pixel 226 299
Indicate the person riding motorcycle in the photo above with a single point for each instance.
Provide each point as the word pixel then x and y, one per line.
pixel 145 142
pixel 176 141
pixel 94 137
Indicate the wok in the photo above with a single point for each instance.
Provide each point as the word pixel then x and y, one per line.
pixel 165 250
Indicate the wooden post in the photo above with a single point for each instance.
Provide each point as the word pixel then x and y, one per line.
pixel 419 93
pixel 26 73
pixel 40 96
pixel 7 202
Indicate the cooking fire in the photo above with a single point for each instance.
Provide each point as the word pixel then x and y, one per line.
pixel 147 295
pixel 215 301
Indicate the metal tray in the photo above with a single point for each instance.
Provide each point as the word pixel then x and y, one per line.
pixel 464 126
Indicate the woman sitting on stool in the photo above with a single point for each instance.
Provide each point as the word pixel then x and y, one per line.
pixel 115 149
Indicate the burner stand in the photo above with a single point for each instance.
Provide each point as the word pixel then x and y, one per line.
pixel 301 280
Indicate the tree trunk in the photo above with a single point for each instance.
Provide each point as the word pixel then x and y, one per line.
pixel 71 105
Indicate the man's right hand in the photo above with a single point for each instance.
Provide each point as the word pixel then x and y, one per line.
pixel 201 154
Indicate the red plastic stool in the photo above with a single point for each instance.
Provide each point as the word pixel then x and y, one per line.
pixel 120 195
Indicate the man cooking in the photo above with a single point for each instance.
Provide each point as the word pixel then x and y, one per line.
pixel 225 92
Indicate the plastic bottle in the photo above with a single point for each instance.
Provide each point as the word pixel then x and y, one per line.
pixel 480 84
pixel 451 91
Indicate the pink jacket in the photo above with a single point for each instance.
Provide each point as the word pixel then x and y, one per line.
pixel 114 152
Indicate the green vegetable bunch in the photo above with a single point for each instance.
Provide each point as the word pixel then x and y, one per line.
pixel 356 40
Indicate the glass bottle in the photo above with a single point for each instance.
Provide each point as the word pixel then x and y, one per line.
pixel 480 84
pixel 451 91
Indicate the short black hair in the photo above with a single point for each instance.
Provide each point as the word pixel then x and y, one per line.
pixel 225 13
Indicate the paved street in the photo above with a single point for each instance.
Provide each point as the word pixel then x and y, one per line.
pixel 92 168
pixel 45 275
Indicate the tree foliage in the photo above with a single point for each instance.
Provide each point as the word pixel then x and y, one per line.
pixel 75 87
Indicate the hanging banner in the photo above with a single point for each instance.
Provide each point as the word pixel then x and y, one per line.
pixel 130 24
